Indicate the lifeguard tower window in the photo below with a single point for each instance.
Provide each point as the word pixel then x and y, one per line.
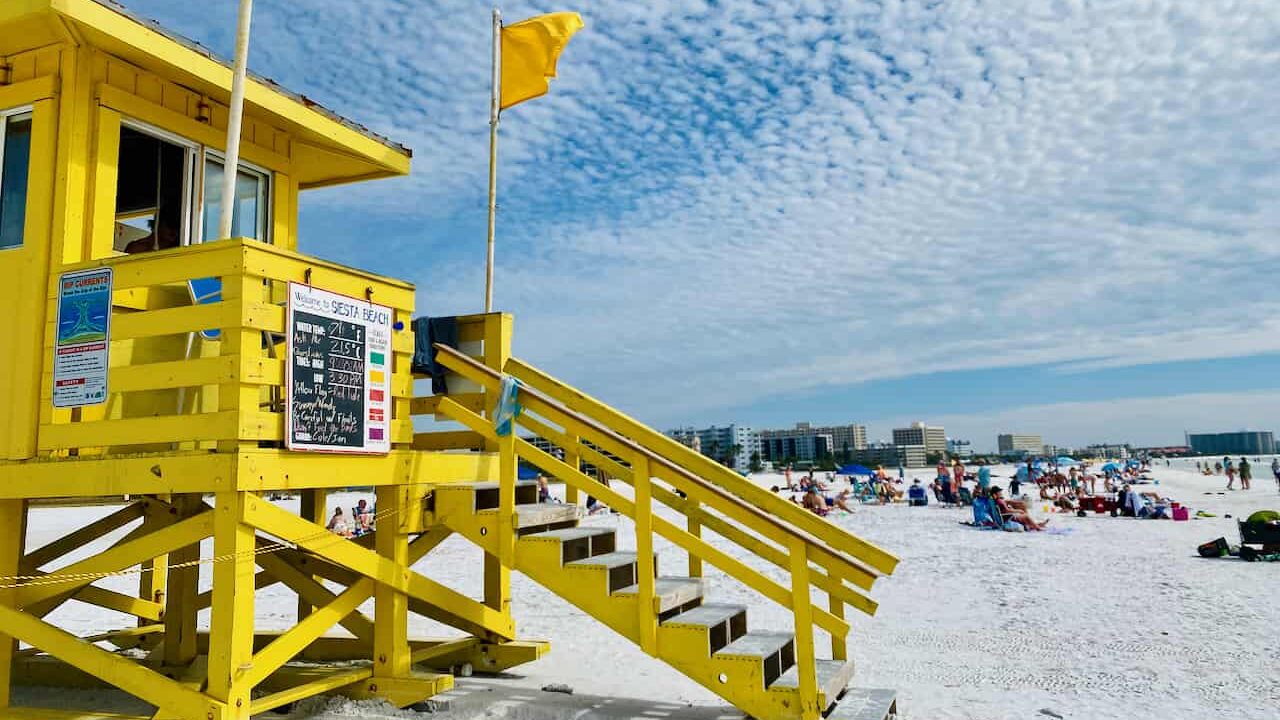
pixel 15 159
pixel 248 217
pixel 152 193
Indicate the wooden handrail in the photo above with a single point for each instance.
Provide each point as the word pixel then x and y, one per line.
pixel 493 376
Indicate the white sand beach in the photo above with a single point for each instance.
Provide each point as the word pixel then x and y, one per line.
pixel 1101 618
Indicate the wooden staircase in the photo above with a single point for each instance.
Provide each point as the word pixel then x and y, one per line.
pixel 772 674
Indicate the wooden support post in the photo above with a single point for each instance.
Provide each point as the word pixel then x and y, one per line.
pixel 802 610
pixel 391 605
pixel 497 573
pixel 839 641
pixel 692 509
pixel 313 510
pixel 646 573
pixel 231 622
pixel 153 582
pixel 13 530
pixel 240 344
pixel 179 648
pixel 572 458
pixel 497 570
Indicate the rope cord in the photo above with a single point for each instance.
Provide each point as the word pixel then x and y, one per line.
pixel 10 582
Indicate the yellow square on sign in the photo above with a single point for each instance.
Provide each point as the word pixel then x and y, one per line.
pixel 377 376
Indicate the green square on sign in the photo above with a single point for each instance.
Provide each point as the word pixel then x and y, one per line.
pixel 378 358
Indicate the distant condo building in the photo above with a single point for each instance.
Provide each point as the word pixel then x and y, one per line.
pixel 959 448
pixel 731 445
pixel 1233 443
pixel 932 437
pixel 1014 444
pixel 806 443
pixel 1111 451
pixel 891 456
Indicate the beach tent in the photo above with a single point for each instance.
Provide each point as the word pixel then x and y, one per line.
pixel 1134 462
pixel 1064 460
pixel 1021 474
pixel 855 470
pixel 1111 467
pixel 527 473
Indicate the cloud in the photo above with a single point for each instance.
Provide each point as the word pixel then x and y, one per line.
pixel 721 200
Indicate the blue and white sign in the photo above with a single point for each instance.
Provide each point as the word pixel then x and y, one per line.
pixel 81 351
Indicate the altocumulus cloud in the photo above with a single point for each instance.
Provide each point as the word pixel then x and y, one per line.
pixel 730 198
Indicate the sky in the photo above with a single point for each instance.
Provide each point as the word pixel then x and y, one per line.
pixel 1054 217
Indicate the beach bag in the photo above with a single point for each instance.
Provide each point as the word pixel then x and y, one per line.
pixel 1215 549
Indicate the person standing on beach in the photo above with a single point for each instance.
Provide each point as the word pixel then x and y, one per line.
pixel 1230 470
pixel 1275 470
pixel 1246 474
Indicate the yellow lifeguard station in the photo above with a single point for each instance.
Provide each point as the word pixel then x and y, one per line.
pixel 193 376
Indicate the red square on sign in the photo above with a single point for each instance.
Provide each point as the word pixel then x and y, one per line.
pixel 377 396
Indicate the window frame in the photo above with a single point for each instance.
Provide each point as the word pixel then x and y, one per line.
pixel 191 149
pixel 20 112
pixel 265 193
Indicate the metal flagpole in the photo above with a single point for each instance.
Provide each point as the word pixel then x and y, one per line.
pixel 494 113
pixel 234 121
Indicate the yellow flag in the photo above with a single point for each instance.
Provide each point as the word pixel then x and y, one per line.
pixel 530 49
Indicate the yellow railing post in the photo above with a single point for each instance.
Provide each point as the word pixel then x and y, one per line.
pixel 839 641
pixel 572 458
pixel 313 510
pixel 231 619
pixel 497 576
pixel 802 610
pixel 179 648
pixel 692 508
pixel 391 606
pixel 645 572
pixel 237 342
pixel 13 530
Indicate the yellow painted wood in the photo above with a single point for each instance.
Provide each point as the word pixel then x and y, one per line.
pixel 572 458
pixel 391 606
pixel 80 537
pixel 13 530
pixel 125 674
pixel 312 592
pixel 107 476
pixel 839 641
pixel 313 507
pixel 449 440
pixel 497 569
pixel 647 612
pixel 119 557
pixel 231 619
pixel 179 647
pixel 803 609
pixel 292 642
pixel 223 425
pixel 332 680
pixel 103 178
pixel 344 553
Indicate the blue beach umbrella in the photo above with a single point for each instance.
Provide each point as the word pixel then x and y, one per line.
pixel 1064 460
pixel 855 470
pixel 527 473
pixel 1111 467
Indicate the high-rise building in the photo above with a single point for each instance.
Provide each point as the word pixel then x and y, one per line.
pixel 732 445
pixel 932 437
pixel 806 443
pixel 1233 443
pixel 959 448
pixel 891 456
pixel 1015 444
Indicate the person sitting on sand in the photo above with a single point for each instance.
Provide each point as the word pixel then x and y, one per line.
pixel 814 502
pixel 841 501
pixel 1010 513
pixel 338 524
pixel 916 496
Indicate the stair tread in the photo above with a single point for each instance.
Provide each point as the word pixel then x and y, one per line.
pixel 757 644
pixel 706 615
pixel 567 534
pixel 534 514
pixel 833 677
pixel 672 592
pixel 864 704
pixel 609 560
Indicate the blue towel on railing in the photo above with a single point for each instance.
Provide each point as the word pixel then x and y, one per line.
pixel 426 333
pixel 508 406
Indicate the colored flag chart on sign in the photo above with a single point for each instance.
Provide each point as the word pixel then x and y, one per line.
pixel 82 348
pixel 339 373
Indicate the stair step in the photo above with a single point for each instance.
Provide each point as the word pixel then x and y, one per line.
pixel 776 652
pixel 833 677
pixel 535 515
pixel 866 704
pixel 673 592
pixel 485 485
pixel 707 615
pixel 609 560
pixel 579 543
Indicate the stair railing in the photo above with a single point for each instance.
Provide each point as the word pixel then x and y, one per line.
pixel 769 533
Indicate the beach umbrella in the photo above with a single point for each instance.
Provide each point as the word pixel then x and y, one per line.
pixel 1111 467
pixel 527 473
pixel 855 469
pixel 1134 462
pixel 1064 460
